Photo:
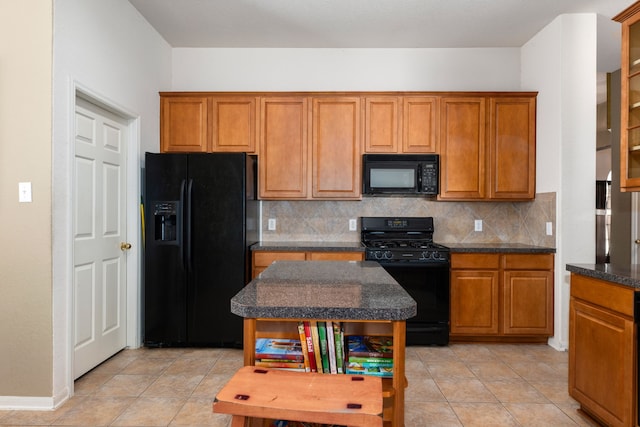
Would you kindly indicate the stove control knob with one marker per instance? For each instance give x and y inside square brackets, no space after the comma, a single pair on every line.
[426,255]
[377,254]
[388,255]
[435,255]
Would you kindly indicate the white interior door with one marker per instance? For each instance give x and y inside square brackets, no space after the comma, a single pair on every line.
[99,235]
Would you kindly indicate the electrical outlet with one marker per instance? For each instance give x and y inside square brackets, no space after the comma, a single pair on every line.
[478,225]
[549,229]
[353,224]
[271,224]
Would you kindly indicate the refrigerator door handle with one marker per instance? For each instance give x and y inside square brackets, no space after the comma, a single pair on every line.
[190,204]
[181,223]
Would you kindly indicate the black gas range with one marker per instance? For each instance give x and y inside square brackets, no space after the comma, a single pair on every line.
[404,247]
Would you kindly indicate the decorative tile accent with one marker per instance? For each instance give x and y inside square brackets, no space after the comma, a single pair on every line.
[328,221]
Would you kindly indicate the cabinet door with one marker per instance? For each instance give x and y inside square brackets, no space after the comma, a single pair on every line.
[336,156]
[527,302]
[381,124]
[601,362]
[462,148]
[474,302]
[630,99]
[184,124]
[233,124]
[420,124]
[283,165]
[512,148]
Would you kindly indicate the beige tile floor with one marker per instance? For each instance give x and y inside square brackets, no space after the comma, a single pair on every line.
[458,385]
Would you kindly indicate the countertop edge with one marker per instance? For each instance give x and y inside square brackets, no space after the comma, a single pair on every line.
[308,246]
[615,274]
[357,247]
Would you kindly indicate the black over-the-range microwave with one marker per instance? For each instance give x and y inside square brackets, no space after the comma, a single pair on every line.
[400,174]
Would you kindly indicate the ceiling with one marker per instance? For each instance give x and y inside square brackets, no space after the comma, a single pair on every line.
[360,23]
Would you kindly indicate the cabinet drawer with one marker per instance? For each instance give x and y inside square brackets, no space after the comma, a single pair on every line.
[336,256]
[266,258]
[528,262]
[605,294]
[475,261]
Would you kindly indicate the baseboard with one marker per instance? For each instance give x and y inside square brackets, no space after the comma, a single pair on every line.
[26,403]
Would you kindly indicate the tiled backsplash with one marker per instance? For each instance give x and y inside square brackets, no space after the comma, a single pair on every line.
[503,222]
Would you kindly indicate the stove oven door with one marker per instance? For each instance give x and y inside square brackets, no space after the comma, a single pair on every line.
[428,285]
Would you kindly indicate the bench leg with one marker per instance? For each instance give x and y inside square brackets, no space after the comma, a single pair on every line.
[238,421]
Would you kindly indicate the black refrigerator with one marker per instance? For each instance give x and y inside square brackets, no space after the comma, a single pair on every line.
[201,216]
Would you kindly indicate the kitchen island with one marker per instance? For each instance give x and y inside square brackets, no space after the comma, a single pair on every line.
[603,359]
[360,294]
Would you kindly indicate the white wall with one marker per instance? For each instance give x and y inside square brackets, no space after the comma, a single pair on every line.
[345,69]
[560,62]
[109,50]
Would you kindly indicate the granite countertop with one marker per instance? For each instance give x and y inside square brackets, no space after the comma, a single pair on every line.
[628,275]
[347,290]
[309,246]
[497,248]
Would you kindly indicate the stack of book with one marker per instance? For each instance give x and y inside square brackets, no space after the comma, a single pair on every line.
[322,346]
[280,353]
[370,355]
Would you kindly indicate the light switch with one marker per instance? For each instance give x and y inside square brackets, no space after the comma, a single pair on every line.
[24,192]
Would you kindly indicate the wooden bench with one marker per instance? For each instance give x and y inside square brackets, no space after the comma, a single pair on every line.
[349,400]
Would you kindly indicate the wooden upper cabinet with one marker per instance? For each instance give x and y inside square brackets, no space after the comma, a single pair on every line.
[462,148]
[381,124]
[630,98]
[420,124]
[234,124]
[336,158]
[283,164]
[488,147]
[395,124]
[512,148]
[184,124]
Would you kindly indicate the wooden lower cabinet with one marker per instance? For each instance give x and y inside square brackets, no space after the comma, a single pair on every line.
[262,259]
[602,350]
[501,297]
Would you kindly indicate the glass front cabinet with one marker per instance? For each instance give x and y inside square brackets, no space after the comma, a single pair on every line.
[630,111]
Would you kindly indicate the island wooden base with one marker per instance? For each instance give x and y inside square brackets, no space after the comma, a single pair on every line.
[393,388]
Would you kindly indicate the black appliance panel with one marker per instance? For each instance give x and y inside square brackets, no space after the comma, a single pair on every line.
[400,174]
[428,285]
[189,280]
[165,292]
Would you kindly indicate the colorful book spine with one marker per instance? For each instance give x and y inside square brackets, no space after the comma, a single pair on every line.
[384,360]
[331,348]
[324,350]
[377,372]
[303,342]
[281,364]
[338,338]
[316,344]
[310,347]
[279,348]
[355,365]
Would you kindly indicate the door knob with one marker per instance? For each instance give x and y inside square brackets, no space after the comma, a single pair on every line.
[124,246]
[637,241]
